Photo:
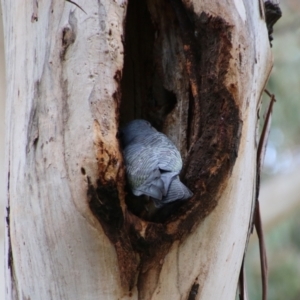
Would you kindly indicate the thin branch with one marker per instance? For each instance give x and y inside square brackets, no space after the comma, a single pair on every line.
[257,216]
[77,5]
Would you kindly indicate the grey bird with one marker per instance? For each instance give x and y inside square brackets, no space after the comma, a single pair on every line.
[153,164]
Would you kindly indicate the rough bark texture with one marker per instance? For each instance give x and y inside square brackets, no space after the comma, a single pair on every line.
[196,70]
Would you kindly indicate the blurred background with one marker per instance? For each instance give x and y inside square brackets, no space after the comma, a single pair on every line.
[280,186]
[280,189]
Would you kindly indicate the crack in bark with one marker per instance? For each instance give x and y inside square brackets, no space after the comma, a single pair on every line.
[194,291]
[68,35]
[105,204]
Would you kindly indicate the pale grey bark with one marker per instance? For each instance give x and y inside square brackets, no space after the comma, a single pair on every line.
[61,109]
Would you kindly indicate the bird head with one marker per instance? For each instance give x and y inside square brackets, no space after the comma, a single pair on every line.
[134,129]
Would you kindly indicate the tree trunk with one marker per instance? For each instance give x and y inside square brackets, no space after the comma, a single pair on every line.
[196,70]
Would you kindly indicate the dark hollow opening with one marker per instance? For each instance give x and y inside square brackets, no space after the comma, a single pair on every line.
[143,93]
[175,64]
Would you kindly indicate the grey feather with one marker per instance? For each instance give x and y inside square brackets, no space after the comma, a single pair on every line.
[153,163]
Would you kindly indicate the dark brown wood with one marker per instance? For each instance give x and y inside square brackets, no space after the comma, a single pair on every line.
[201,46]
